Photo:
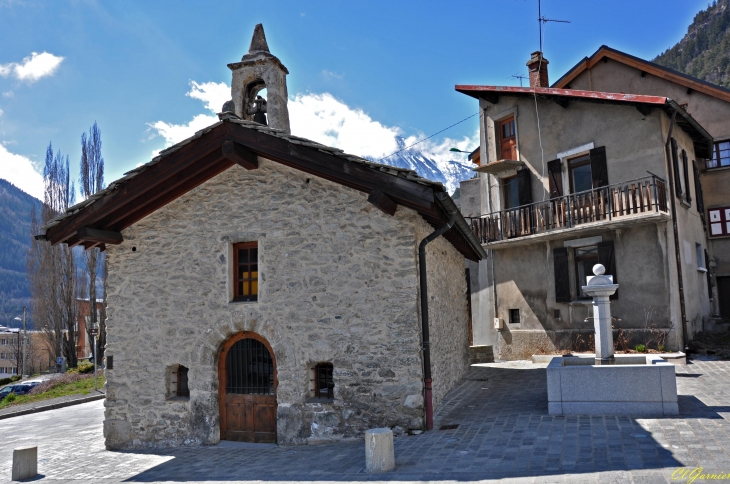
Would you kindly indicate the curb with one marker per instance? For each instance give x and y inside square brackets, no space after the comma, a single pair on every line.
[53,406]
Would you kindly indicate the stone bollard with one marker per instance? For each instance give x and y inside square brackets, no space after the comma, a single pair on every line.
[25,463]
[379,453]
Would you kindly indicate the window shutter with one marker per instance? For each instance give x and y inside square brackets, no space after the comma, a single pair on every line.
[698,191]
[675,170]
[685,167]
[599,169]
[524,186]
[555,177]
[607,258]
[562,277]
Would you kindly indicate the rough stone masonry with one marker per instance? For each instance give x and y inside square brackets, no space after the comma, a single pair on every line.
[338,283]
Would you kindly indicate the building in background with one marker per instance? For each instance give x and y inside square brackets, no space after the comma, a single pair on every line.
[569,179]
[615,71]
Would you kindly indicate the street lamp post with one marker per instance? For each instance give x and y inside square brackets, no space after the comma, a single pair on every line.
[25,338]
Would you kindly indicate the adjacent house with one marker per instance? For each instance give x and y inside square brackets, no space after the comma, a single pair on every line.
[570,178]
[615,71]
[263,287]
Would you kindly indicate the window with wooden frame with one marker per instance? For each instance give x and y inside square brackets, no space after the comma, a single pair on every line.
[514,316]
[580,175]
[246,271]
[720,155]
[324,386]
[585,259]
[508,139]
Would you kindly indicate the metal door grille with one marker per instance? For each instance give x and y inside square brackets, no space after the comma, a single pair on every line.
[250,369]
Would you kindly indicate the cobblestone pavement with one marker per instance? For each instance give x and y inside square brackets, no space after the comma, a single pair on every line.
[504,432]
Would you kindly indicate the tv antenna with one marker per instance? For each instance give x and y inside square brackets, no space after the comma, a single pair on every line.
[518,76]
[543,20]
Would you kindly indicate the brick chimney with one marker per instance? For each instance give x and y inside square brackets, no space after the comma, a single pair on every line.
[538,70]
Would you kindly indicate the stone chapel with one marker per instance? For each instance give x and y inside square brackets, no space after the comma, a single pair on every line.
[266,288]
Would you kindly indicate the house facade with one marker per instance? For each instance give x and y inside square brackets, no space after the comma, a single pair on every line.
[263,287]
[569,179]
[611,70]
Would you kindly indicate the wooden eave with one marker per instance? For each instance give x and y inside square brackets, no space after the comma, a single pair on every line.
[191,163]
[605,52]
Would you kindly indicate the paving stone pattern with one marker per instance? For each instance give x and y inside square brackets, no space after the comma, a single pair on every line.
[504,432]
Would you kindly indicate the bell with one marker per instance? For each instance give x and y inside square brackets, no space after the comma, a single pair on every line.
[259,111]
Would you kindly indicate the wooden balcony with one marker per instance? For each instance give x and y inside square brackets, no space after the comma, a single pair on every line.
[643,200]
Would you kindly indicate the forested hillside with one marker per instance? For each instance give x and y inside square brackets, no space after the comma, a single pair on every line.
[704,52]
[15,208]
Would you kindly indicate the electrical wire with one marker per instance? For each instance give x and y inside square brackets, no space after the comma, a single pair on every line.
[427,137]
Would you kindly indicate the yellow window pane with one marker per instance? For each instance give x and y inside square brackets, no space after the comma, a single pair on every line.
[254,288]
[246,289]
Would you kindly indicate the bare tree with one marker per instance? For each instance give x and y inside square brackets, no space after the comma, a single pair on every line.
[91,180]
[52,269]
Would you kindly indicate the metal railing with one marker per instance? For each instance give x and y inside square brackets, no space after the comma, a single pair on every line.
[607,203]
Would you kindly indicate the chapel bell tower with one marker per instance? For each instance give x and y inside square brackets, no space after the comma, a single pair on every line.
[259,70]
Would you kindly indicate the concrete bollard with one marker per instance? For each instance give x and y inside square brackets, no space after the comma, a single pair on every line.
[379,453]
[25,463]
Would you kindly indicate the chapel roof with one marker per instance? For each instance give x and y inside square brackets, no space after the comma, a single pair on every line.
[210,151]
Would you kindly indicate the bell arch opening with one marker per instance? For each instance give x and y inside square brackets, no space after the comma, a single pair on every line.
[254,102]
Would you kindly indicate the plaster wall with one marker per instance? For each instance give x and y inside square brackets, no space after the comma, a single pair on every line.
[521,274]
[712,113]
[338,283]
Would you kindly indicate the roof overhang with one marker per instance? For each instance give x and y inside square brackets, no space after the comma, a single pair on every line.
[604,53]
[100,219]
[701,138]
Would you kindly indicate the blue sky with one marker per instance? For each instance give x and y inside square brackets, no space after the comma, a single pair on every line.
[377,69]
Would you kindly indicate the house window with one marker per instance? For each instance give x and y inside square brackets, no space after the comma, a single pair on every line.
[685,168]
[324,385]
[246,271]
[508,139]
[700,254]
[511,190]
[514,316]
[585,259]
[182,382]
[3,342]
[2,356]
[719,221]
[581,178]
[720,155]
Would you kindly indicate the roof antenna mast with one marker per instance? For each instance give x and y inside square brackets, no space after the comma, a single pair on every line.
[543,20]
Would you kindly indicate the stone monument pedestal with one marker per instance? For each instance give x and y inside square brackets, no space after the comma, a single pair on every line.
[379,452]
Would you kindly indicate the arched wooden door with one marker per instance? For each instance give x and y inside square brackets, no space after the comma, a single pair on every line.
[247,389]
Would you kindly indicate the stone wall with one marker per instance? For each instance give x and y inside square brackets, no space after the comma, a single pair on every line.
[448,313]
[338,283]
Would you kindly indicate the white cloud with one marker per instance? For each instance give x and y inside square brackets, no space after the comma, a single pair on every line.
[8,94]
[33,67]
[213,94]
[329,75]
[1,112]
[174,133]
[325,119]
[19,171]
[322,118]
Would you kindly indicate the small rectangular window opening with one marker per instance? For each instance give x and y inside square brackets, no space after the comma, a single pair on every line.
[720,155]
[514,316]
[324,385]
[245,271]
[182,382]
[585,259]
[700,257]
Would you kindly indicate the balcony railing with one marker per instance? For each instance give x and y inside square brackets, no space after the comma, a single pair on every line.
[622,200]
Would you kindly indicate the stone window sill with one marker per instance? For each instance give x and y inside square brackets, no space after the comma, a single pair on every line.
[175,398]
[320,400]
[701,269]
[243,302]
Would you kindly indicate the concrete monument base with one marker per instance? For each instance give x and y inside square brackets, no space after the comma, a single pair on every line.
[643,385]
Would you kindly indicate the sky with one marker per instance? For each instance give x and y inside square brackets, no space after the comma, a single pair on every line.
[362,73]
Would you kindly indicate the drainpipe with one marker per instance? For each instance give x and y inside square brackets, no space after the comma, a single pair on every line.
[677,253]
[423,276]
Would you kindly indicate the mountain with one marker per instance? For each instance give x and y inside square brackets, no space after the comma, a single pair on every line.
[448,172]
[15,208]
[704,52]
